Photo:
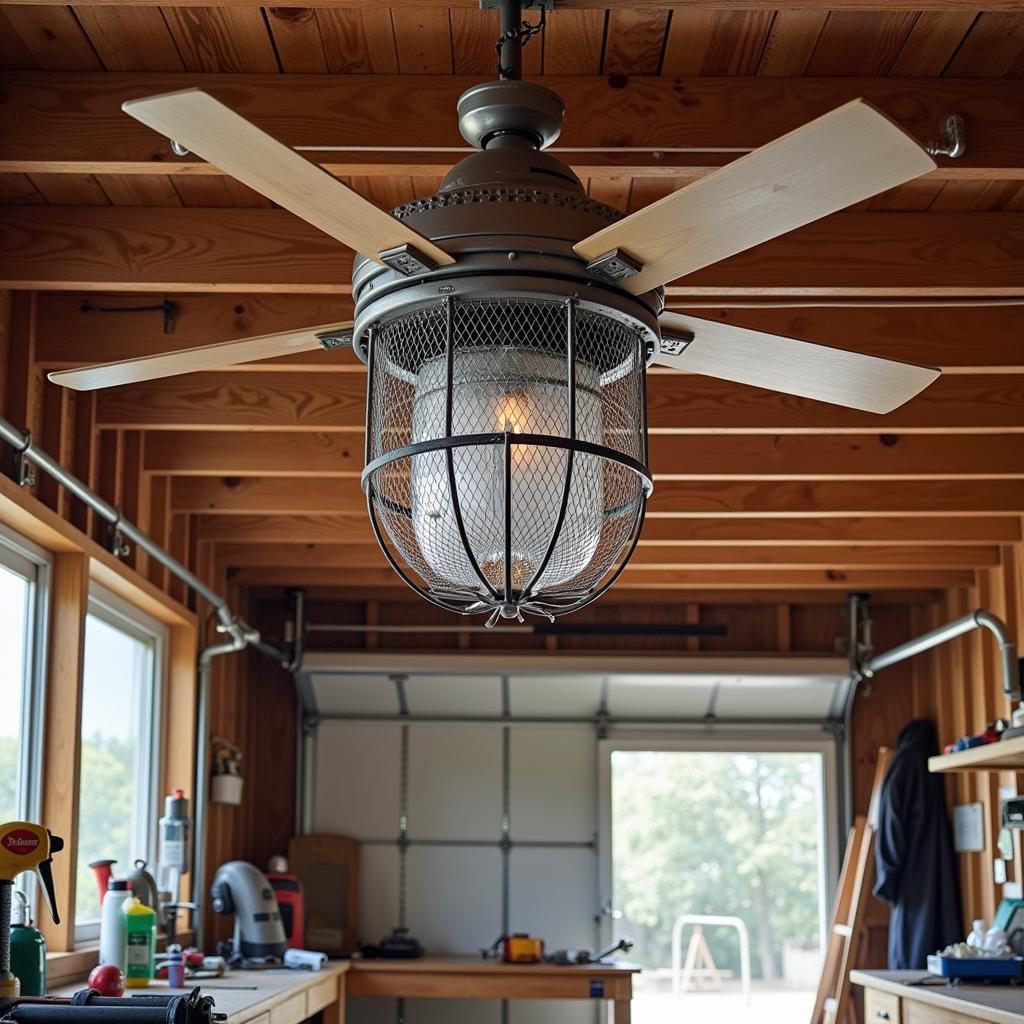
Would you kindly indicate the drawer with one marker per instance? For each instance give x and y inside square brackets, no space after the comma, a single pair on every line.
[881,1007]
[322,994]
[291,1011]
[915,1012]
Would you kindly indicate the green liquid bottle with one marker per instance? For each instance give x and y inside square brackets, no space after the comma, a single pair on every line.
[140,943]
[28,951]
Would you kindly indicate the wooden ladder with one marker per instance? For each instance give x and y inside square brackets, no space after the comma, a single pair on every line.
[846,932]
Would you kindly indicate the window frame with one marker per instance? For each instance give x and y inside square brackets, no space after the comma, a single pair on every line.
[31,563]
[121,615]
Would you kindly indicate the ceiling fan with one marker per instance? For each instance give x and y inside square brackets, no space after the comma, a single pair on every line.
[508,320]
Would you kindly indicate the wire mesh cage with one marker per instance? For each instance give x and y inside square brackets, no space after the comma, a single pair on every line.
[506,452]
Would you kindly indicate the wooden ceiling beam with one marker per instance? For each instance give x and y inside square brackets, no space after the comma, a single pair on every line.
[677,404]
[672,500]
[934,336]
[72,122]
[51,248]
[650,558]
[654,5]
[366,581]
[701,456]
[917,530]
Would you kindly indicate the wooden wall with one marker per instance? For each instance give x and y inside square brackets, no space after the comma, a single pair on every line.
[253,702]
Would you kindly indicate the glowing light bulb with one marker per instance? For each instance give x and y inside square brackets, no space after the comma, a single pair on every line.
[506,390]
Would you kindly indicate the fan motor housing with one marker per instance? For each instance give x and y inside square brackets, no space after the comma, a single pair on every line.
[510,217]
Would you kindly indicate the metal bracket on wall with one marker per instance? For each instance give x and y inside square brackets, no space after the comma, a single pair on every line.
[117,545]
[954,136]
[168,308]
[24,470]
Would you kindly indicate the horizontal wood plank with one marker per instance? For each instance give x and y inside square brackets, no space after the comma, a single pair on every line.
[207,250]
[919,530]
[677,404]
[754,5]
[929,336]
[673,499]
[73,121]
[651,557]
[366,581]
[704,456]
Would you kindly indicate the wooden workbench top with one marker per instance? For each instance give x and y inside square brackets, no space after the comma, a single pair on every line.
[995,1004]
[478,965]
[259,997]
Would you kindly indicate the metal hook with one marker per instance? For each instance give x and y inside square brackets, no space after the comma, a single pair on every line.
[954,133]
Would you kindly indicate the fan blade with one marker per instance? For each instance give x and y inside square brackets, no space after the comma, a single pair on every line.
[206,357]
[793,367]
[847,156]
[209,129]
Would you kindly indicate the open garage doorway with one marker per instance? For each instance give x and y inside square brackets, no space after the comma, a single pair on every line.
[720,856]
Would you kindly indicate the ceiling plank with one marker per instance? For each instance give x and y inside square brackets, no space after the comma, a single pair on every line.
[652,557]
[848,254]
[759,5]
[74,123]
[703,457]
[222,39]
[672,500]
[717,42]
[678,404]
[927,336]
[365,581]
[919,530]
[54,37]
[130,38]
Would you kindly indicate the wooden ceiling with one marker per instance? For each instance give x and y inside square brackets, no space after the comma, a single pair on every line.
[258,467]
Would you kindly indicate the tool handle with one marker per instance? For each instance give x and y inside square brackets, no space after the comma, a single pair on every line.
[43,870]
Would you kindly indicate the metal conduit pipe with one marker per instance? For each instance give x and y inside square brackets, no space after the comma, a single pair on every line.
[240,634]
[979,619]
[21,442]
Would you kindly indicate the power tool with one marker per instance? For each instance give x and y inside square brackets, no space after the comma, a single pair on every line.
[24,846]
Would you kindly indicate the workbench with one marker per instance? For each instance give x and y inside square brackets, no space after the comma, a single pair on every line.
[889,999]
[454,977]
[290,997]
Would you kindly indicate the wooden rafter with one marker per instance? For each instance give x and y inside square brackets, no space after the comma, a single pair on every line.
[637,126]
[932,336]
[673,499]
[678,404]
[158,249]
[703,456]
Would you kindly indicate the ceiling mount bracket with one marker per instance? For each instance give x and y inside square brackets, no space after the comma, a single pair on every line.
[335,339]
[407,260]
[178,149]
[675,344]
[954,135]
[614,266]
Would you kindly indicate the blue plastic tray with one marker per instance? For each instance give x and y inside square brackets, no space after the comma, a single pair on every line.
[978,970]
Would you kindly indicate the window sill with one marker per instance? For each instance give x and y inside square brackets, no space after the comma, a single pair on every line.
[65,968]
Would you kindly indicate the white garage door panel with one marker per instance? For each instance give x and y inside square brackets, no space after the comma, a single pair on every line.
[554,783]
[658,696]
[453,1011]
[357,779]
[454,695]
[454,897]
[738,700]
[352,694]
[556,695]
[554,895]
[551,1011]
[454,782]
[378,892]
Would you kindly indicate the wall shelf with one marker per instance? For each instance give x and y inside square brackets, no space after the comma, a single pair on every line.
[1004,756]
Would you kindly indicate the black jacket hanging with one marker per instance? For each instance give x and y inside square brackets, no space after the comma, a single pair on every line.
[916,865]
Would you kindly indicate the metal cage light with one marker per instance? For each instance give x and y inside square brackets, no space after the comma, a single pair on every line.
[506,451]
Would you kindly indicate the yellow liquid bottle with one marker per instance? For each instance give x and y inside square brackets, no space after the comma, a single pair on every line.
[140,943]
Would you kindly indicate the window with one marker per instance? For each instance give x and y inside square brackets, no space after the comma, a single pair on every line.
[121,695]
[23,576]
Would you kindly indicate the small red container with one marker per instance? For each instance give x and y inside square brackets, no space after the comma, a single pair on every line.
[288,893]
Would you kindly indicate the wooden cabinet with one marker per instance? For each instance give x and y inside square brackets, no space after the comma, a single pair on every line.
[881,1007]
[923,1013]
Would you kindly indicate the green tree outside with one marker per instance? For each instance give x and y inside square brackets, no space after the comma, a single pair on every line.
[717,833]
